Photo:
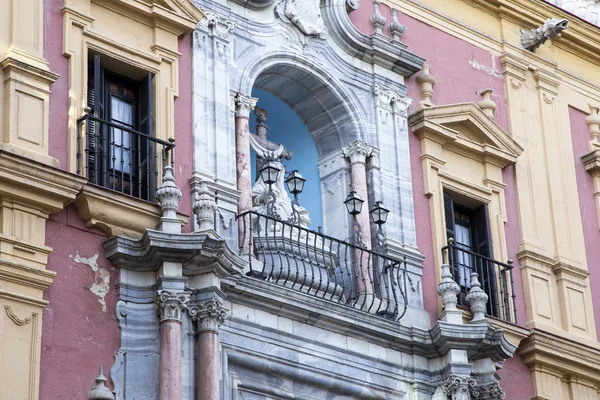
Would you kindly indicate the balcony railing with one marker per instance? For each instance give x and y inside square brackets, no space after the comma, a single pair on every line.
[322,266]
[496,279]
[120,158]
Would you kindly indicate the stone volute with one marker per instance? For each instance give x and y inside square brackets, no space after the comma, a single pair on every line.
[477,299]
[486,104]
[100,391]
[426,82]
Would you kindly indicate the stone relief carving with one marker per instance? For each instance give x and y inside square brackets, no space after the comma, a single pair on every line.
[306,16]
[459,387]
[534,38]
[216,26]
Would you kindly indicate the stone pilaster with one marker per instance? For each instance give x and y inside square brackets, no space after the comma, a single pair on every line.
[209,315]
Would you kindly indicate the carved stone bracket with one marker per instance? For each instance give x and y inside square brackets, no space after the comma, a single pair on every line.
[459,387]
[171,305]
[217,26]
[209,315]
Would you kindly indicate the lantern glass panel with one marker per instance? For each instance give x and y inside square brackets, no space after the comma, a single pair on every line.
[379,213]
[353,203]
[270,172]
[295,183]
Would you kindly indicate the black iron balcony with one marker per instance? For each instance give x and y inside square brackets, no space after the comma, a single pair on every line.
[496,279]
[322,266]
[120,158]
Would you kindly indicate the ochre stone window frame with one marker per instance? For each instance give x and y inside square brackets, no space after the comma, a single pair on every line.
[141,35]
[463,151]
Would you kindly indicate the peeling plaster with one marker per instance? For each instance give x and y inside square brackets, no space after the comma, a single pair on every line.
[488,70]
[101,284]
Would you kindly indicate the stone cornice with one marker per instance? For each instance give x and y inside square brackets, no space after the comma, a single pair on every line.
[200,253]
[542,349]
[440,123]
[375,49]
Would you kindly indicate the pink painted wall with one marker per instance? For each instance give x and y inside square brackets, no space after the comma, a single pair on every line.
[461,71]
[589,217]
[77,335]
[184,129]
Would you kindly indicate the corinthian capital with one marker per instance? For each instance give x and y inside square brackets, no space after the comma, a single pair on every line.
[492,391]
[357,151]
[171,305]
[210,315]
[459,387]
[243,104]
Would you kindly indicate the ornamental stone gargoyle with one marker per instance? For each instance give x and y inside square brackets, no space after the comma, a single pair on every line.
[534,38]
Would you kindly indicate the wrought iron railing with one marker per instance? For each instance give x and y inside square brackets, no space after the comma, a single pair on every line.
[496,279]
[322,266]
[120,158]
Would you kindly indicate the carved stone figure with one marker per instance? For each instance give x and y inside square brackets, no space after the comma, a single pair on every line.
[534,38]
[306,15]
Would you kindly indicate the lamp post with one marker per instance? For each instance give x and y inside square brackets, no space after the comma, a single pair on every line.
[295,183]
[379,216]
[354,205]
[269,173]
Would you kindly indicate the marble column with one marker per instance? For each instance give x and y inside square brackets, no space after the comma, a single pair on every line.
[170,307]
[357,152]
[243,106]
[209,315]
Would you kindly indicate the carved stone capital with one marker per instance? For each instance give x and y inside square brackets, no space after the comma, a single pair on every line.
[217,26]
[491,391]
[357,151]
[171,305]
[243,104]
[209,315]
[459,387]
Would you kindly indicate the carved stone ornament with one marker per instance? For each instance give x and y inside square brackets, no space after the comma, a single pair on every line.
[534,38]
[391,100]
[488,392]
[357,151]
[171,305]
[487,105]
[477,299]
[209,315]
[216,26]
[352,5]
[395,27]
[168,194]
[377,19]
[306,16]
[593,123]
[204,208]
[448,289]
[459,387]
[426,82]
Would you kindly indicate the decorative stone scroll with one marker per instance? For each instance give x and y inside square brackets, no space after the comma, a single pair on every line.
[216,26]
[459,387]
[492,391]
[171,305]
[209,315]
[243,105]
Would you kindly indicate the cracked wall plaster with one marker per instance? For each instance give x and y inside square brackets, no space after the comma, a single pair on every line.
[101,284]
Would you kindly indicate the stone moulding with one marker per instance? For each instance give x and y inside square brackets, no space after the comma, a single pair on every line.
[376,49]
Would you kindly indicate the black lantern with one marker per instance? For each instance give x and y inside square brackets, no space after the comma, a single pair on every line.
[379,213]
[270,172]
[295,182]
[353,203]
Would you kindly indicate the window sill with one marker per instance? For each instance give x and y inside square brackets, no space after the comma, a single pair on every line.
[116,213]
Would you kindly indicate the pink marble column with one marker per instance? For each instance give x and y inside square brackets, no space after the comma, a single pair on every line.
[243,106]
[358,152]
[170,307]
[209,315]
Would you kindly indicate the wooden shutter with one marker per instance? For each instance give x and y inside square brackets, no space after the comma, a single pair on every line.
[449,215]
[143,147]
[482,244]
[96,102]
